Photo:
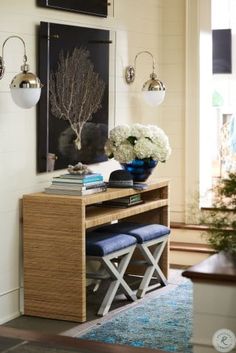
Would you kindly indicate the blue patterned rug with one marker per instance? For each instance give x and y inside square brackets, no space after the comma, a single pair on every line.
[164,322]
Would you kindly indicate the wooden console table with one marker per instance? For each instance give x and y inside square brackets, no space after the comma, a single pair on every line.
[54,230]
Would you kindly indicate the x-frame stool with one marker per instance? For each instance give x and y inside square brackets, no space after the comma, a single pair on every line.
[151,261]
[113,267]
[147,236]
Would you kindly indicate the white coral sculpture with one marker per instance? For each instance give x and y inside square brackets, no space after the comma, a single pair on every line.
[76,90]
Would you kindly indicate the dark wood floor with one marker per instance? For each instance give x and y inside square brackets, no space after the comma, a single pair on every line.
[39,335]
[25,341]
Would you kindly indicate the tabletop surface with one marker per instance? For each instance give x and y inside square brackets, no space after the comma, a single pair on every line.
[219,267]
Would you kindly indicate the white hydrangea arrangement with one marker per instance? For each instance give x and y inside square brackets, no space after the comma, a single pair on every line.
[129,142]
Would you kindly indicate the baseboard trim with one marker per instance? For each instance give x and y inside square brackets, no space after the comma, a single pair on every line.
[9,317]
[9,305]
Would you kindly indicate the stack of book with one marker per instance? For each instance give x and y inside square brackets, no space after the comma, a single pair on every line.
[74,184]
[126,201]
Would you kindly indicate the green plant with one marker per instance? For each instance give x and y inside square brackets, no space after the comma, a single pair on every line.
[221,220]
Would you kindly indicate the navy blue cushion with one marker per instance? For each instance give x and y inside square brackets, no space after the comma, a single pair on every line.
[142,232]
[98,244]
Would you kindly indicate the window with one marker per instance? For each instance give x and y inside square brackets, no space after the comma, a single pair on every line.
[218,156]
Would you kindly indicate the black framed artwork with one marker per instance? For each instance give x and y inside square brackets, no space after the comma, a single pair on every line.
[222,51]
[72,117]
[89,7]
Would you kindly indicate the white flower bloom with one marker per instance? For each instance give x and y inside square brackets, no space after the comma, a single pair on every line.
[157,133]
[149,142]
[119,134]
[139,130]
[161,154]
[125,153]
[143,148]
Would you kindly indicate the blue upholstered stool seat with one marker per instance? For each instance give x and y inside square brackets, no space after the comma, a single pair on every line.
[151,239]
[98,244]
[142,232]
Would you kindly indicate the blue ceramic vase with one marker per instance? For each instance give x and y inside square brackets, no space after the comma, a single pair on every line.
[140,169]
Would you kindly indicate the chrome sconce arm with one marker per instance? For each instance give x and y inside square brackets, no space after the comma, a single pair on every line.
[2,63]
[153,89]
[25,87]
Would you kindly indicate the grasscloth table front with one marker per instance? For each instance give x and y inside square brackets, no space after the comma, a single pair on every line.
[54,230]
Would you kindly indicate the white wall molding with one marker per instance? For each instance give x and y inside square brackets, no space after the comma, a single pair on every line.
[9,291]
[192,105]
[9,306]
[198,73]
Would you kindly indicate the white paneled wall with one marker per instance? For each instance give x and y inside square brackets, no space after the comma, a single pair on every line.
[172,117]
[154,25]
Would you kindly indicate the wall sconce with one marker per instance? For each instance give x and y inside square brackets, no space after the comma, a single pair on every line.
[153,90]
[25,87]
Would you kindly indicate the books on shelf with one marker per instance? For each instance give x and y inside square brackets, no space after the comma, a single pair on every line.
[78,179]
[78,186]
[126,201]
[80,176]
[75,192]
[115,204]
[73,184]
[129,199]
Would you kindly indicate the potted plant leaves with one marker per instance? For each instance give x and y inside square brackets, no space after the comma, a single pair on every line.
[221,219]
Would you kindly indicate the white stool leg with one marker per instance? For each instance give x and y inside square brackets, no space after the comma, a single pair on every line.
[117,273]
[152,260]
